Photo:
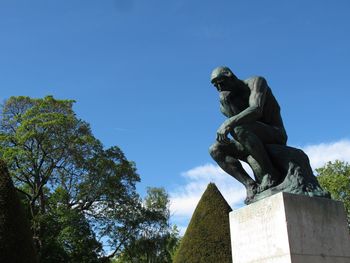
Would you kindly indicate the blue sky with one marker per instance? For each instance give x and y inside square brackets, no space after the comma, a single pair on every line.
[139,71]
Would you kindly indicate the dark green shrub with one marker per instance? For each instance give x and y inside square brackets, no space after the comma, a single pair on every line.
[16,244]
[207,238]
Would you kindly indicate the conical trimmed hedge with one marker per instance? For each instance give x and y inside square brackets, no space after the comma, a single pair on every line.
[207,238]
[16,244]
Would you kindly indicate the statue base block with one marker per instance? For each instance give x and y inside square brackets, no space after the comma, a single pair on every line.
[289,228]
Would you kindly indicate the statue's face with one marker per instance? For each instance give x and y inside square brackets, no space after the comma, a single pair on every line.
[224,84]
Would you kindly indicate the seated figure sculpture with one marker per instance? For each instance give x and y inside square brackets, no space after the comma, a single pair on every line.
[259,138]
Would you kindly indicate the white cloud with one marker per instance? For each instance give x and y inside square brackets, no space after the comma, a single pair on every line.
[185,198]
[320,154]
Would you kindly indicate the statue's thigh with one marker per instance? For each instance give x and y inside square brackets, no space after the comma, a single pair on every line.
[266,133]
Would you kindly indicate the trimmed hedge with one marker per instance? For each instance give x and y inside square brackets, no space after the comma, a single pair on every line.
[207,238]
[16,243]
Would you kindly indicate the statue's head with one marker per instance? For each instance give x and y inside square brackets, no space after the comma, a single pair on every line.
[223,78]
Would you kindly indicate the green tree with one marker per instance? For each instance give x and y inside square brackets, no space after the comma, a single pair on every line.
[72,187]
[68,235]
[155,241]
[335,178]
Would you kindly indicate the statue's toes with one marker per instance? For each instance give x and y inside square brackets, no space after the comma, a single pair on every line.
[267,182]
[262,188]
[248,200]
[251,192]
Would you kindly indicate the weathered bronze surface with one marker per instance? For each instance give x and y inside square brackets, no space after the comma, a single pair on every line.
[259,138]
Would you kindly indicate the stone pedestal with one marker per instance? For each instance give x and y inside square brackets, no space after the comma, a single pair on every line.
[288,228]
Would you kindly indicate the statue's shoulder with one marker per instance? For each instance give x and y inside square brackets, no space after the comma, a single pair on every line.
[252,80]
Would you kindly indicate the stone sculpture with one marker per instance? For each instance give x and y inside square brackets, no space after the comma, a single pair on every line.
[258,138]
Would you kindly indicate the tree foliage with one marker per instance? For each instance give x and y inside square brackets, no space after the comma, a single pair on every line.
[155,241]
[80,198]
[72,188]
[335,178]
[14,226]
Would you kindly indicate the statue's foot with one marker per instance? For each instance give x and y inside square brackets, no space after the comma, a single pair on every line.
[251,192]
[266,183]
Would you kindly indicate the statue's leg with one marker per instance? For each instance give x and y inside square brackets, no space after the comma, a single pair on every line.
[226,156]
[253,137]
[257,170]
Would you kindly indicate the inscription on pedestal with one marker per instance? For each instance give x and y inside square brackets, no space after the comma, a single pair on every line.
[259,232]
[288,228]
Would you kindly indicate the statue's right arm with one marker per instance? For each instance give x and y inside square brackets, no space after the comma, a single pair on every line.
[256,103]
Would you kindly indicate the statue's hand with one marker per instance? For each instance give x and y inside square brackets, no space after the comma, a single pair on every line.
[222,132]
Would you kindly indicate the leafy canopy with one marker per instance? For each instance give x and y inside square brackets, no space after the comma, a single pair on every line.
[75,191]
[155,240]
[335,178]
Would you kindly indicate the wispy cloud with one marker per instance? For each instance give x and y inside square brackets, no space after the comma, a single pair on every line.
[322,153]
[184,198]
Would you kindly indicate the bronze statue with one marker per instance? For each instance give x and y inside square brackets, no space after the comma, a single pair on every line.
[258,138]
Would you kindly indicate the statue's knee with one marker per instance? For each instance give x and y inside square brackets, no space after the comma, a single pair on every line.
[215,152]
